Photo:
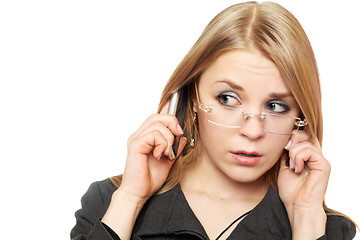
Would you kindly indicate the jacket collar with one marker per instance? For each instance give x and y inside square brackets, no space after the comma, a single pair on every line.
[170,213]
[268,219]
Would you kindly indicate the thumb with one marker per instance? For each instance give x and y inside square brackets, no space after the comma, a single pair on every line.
[182,145]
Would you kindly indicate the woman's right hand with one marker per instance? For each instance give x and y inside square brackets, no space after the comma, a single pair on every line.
[147,167]
[148,164]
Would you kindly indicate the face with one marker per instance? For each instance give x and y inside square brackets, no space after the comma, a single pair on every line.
[251,82]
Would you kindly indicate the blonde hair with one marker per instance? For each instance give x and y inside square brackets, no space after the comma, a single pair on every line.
[265,27]
[268,28]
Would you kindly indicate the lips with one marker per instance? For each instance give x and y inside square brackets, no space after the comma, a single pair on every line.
[247,158]
[248,154]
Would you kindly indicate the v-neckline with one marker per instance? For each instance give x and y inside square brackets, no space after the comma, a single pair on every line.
[244,216]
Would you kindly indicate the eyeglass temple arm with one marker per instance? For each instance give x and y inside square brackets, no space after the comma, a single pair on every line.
[201,106]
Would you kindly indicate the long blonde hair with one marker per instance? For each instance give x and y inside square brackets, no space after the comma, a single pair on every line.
[266,27]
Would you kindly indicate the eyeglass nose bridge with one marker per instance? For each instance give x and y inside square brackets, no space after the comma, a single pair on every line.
[261,116]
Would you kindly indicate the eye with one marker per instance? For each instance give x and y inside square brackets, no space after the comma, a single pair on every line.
[277,107]
[229,99]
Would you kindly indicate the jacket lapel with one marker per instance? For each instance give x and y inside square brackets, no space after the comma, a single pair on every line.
[268,220]
[168,213]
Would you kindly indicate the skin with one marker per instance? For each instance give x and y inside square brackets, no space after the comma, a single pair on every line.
[218,175]
[248,71]
[218,188]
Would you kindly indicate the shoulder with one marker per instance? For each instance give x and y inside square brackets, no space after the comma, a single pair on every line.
[102,190]
[99,192]
[98,196]
[94,204]
[339,227]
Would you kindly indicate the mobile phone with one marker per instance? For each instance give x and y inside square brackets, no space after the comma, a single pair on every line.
[177,107]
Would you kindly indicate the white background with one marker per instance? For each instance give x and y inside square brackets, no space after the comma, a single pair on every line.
[78,77]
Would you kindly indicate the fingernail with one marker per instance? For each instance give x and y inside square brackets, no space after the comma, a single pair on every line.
[296,168]
[180,129]
[291,163]
[159,157]
[172,154]
[288,145]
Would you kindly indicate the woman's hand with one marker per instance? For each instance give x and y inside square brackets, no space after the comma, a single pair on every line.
[147,167]
[148,164]
[302,185]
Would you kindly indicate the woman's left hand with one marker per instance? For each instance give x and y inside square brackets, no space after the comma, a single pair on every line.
[302,184]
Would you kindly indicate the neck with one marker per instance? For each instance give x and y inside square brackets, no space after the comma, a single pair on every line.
[205,178]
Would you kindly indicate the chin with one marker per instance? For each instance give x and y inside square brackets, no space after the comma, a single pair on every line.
[246,176]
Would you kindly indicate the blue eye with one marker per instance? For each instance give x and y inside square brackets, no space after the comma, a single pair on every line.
[229,99]
[277,107]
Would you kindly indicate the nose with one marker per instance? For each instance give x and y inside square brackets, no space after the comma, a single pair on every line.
[252,127]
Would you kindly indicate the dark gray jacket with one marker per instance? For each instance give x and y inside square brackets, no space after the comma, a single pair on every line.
[168,216]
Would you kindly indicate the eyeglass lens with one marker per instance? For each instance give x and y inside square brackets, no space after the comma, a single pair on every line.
[237,118]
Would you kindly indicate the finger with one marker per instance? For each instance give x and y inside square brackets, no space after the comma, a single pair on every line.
[300,146]
[160,147]
[182,144]
[296,137]
[297,162]
[316,142]
[165,132]
[169,121]
[299,159]
[299,136]
[153,141]
[165,109]
[308,156]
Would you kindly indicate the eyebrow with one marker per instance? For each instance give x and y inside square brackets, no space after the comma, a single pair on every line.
[241,89]
[280,95]
[232,85]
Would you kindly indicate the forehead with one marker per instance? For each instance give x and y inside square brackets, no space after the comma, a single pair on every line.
[249,69]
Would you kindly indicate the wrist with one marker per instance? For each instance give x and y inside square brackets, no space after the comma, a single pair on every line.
[123,195]
[122,213]
[307,223]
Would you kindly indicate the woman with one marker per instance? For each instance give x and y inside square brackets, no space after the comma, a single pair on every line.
[249,162]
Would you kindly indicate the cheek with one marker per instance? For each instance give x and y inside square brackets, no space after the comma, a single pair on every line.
[275,147]
[279,142]
[214,139]
[210,135]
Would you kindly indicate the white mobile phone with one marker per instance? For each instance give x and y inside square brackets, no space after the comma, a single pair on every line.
[173,103]
[173,106]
